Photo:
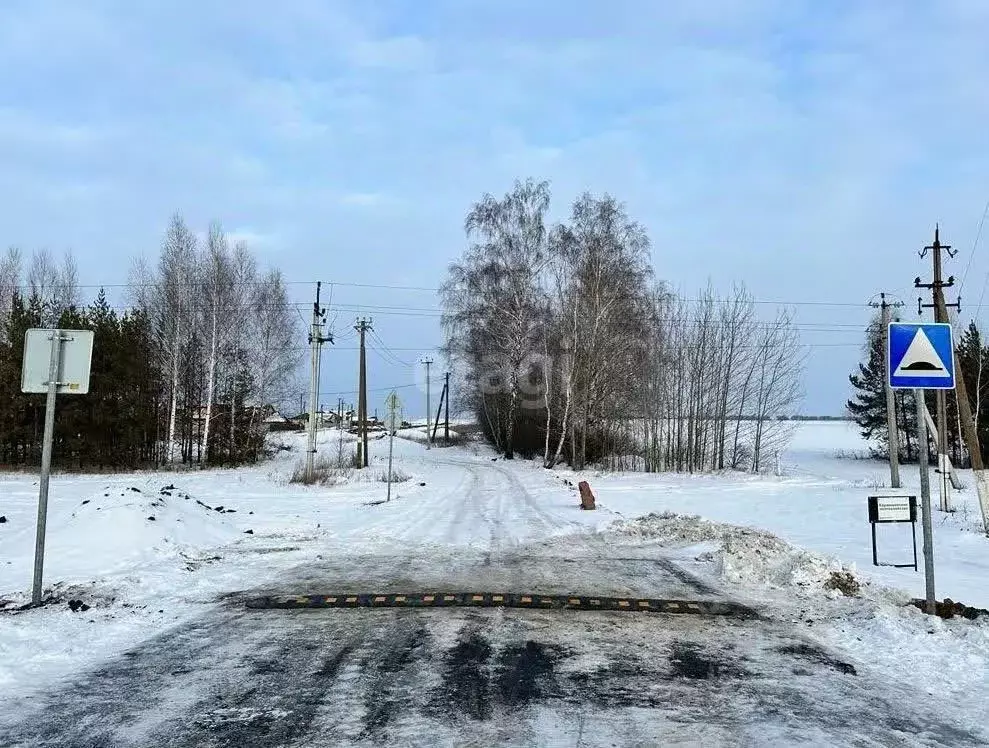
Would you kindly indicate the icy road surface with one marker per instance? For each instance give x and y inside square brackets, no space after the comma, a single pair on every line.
[477,677]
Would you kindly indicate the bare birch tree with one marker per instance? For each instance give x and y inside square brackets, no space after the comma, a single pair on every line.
[218,279]
[166,293]
[492,303]
[566,339]
[10,281]
[273,331]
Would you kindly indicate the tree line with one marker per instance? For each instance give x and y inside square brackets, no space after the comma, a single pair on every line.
[571,349]
[868,404]
[181,374]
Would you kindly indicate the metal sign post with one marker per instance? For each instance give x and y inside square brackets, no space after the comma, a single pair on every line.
[893,509]
[921,356]
[69,354]
[925,504]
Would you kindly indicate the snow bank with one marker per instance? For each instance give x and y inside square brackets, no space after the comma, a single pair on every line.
[875,625]
[742,555]
[114,529]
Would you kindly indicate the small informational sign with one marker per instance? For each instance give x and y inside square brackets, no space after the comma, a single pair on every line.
[893,510]
[75,356]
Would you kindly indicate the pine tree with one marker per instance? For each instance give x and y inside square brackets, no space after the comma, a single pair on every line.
[868,408]
[973,358]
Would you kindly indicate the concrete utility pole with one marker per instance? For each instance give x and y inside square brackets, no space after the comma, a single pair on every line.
[394,421]
[362,326]
[316,340]
[894,436]
[940,315]
[340,432]
[428,362]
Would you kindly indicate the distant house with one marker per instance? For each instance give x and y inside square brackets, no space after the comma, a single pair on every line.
[373,424]
[275,421]
[324,419]
[266,415]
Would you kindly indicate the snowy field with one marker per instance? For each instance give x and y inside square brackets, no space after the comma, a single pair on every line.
[148,551]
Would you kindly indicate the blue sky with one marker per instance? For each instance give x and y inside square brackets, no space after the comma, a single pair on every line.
[804,148]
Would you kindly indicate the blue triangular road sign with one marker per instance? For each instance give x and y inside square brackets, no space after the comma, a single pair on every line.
[921,356]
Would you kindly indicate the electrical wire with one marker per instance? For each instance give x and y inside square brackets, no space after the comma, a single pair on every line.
[975,244]
[377,338]
[359,307]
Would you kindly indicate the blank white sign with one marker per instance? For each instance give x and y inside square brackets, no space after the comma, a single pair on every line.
[74,361]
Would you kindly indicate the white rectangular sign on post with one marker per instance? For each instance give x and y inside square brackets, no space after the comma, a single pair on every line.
[893,509]
[75,358]
[55,362]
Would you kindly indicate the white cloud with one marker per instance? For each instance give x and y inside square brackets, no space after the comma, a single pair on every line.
[20,128]
[775,140]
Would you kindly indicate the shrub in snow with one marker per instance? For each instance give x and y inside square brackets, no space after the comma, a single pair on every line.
[327,471]
[397,476]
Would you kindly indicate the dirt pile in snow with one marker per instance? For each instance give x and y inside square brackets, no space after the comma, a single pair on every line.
[745,555]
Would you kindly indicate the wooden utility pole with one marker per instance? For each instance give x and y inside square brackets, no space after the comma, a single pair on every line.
[961,390]
[891,427]
[439,409]
[446,417]
[940,315]
[362,326]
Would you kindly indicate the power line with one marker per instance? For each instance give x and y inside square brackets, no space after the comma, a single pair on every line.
[374,389]
[810,326]
[388,350]
[975,244]
[390,361]
[360,307]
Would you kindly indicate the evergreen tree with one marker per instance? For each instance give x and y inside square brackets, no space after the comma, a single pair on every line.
[973,358]
[868,408]
[148,376]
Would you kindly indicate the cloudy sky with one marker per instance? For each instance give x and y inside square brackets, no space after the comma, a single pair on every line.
[804,148]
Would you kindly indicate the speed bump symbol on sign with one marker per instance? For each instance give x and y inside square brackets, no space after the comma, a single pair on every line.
[921,356]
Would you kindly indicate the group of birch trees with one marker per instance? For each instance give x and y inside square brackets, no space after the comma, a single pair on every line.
[227,343]
[183,373]
[571,349]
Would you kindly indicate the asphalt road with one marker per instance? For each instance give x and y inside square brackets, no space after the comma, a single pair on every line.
[239,677]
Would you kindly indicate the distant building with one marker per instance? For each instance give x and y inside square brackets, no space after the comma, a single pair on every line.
[324,419]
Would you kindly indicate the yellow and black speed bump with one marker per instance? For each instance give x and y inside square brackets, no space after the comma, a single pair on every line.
[503,600]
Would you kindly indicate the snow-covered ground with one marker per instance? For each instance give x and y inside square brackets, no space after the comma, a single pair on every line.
[820,503]
[219,531]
